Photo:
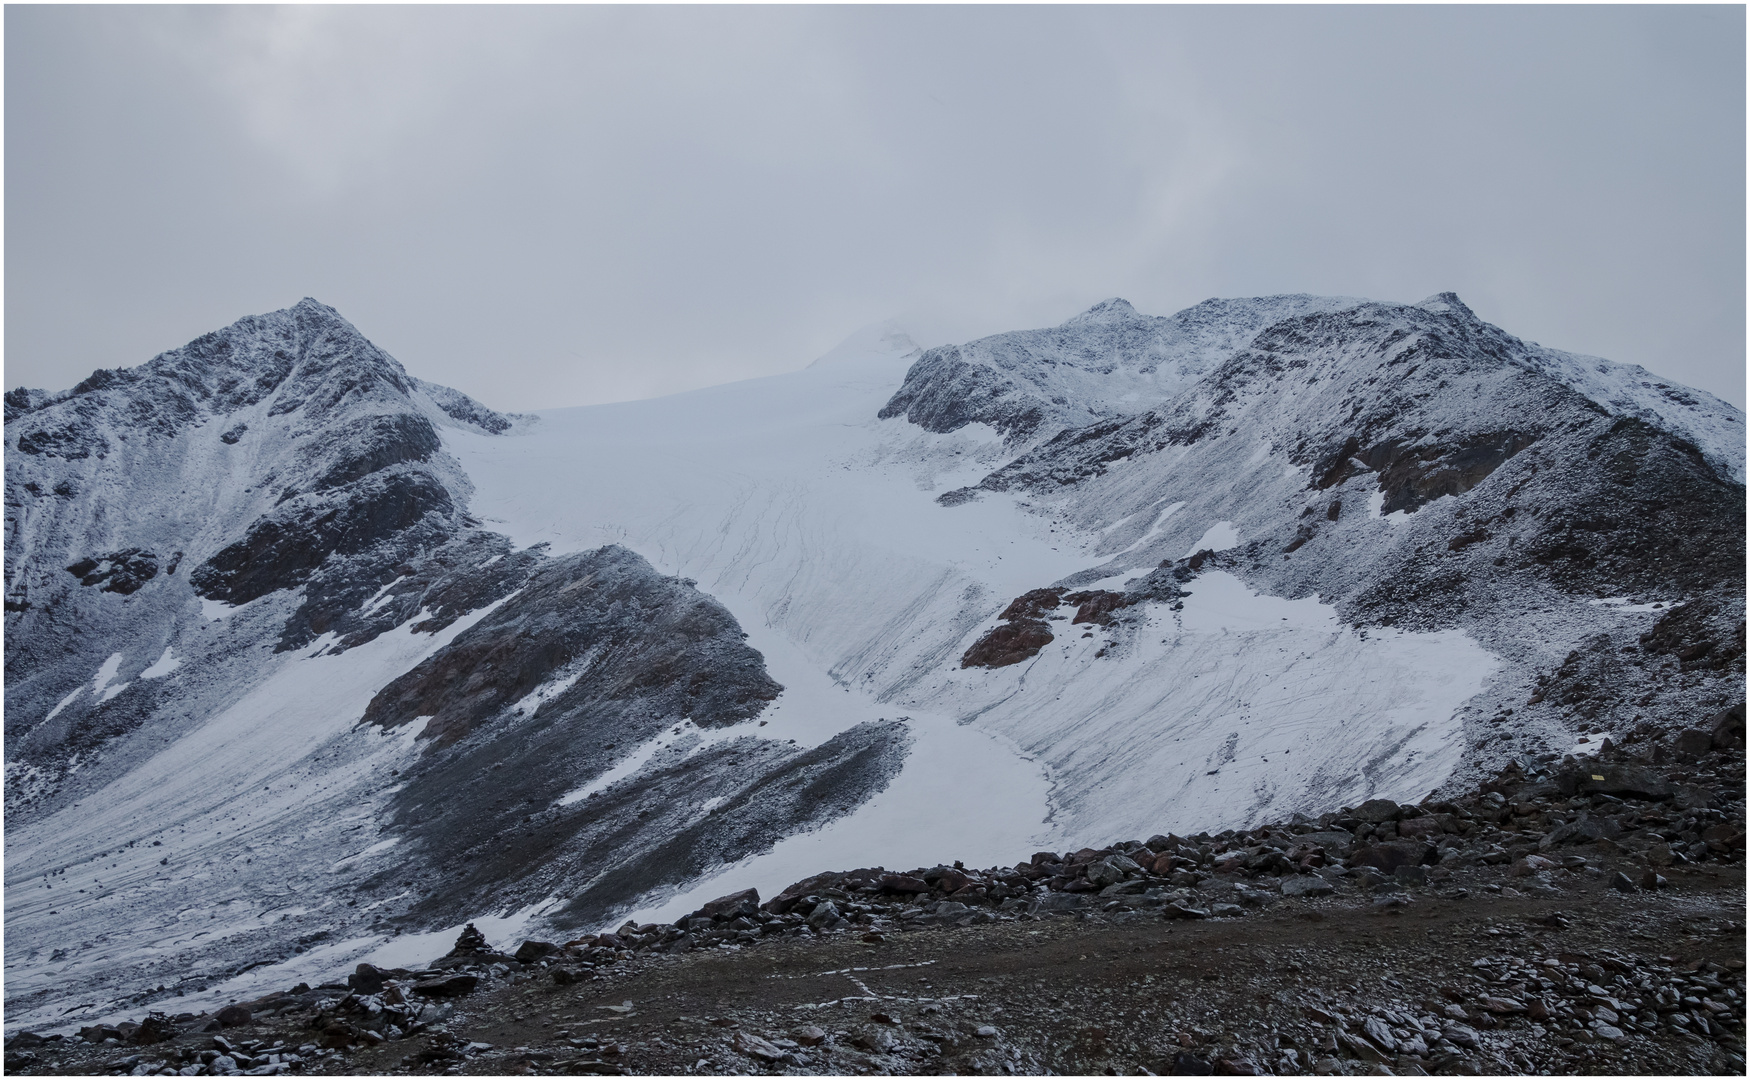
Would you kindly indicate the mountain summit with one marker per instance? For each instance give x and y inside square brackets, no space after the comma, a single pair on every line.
[1106,311]
[341,661]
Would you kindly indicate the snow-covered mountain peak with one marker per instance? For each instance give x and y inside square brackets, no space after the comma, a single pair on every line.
[257,458]
[1447,303]
[1108,361]
[885,340]
[1106,311]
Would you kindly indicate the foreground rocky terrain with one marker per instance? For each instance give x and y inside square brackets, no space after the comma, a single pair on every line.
[1579,915]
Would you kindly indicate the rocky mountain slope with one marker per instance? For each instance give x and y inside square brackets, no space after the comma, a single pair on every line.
[1417,468]
[307,653]
[312,663]
[1578,915]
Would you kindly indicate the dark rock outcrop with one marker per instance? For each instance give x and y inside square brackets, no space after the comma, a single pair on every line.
[118,571]
[282,549]
[605,616]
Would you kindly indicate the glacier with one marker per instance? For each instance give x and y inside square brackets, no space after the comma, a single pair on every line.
[1379,527]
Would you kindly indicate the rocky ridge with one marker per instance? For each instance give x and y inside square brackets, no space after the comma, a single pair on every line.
[1440,474]
[1108,361]
[284,456]
[224,532]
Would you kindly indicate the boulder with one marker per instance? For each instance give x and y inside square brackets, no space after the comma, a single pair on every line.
[1104,872]
[1061,902]
[1428,827]
[735,905]
[784,901]
[1306,885]
[1532,864]
[530,952]
[903,883]
[233,1016]
[1619,779]
[1124,888]
[1693,742]
[1331,841]
[1727,728]
[1377,811]
[1723,837]
[1583,829]
[1379,1034]
[448,986]
[367,979]
[1387,857]
[824,915]
[755,1047]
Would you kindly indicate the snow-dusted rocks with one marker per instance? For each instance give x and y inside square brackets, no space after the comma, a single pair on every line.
[310,662]
[218,560]
[283,451]
[1107,361]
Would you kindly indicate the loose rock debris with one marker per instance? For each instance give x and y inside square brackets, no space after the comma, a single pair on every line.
[1580,916]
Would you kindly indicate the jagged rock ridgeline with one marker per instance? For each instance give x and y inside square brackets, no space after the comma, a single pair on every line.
[1109,360]
[282,448]
[284,459]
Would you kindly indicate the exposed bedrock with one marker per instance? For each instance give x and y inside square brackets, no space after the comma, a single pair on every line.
[282,549]
[590,629]
[493,833]
[593,657]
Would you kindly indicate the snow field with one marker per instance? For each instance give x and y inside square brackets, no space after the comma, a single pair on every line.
[816,527]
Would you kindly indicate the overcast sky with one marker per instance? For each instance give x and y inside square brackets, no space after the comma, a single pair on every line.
[552,206]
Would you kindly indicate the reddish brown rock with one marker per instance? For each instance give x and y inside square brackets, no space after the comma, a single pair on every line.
[1033,605]
[1096,606]
[1008,643]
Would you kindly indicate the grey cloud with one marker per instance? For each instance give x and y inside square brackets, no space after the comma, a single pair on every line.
[549,205]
